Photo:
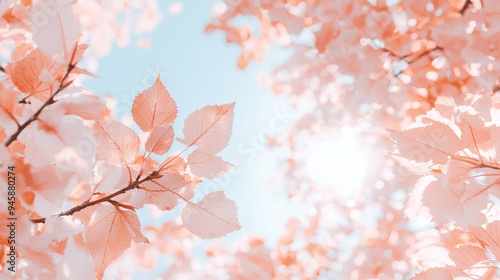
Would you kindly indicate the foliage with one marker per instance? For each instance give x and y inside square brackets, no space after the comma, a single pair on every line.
[80,175]
[414,83]
[416,78]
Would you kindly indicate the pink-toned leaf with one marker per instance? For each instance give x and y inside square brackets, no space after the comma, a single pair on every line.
[116,143]
[160,140]
[490,235]
[59,139]
[54,26]
[444,205]
[8,104]
[213,217]
[174,164]
[474,132]
[434,273]
[110,233]
[165,192]
[433,256]
[209,128]
[109,177]
[36,74]
[154,107]
[466,256]
[434,142]
[85,106]
[207,165]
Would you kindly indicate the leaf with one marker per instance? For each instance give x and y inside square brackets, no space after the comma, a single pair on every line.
[8,104]
[87,107]
[444,205]
[116,143]
[174,164]
[434,273]
[54,26]
[154,107]
[434,142]
[61,140]
[433,256]
[490,235]
[466,256]
[207,165]
[109,177]
[110,233]
[474,132]
[209,128]
[165,192]
[213,217]
[36,74]
[160,140]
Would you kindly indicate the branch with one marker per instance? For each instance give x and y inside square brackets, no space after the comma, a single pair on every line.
[108,198]
[51,100]
[396,75]
[467,4]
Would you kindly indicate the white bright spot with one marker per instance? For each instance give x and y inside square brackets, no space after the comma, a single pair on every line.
[175,8]
[340,163]
[219,9]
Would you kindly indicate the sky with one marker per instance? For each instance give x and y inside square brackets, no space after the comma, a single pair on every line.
[200,69]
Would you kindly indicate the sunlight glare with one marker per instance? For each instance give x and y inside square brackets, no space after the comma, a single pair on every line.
[340,163]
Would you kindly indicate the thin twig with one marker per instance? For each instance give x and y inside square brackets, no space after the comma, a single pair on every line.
[62,85]
[108,198]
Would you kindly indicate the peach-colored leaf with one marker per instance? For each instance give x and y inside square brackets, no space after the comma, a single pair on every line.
[444,205]
[165,192]
[490,235]
[54,26]
[209,128]
[433,256]
[160,140]
[434,142]
[467,256]
[154,107]
[109,177]
[207,165]
[174,164]
[8,102]
[434,273]
[213,217]
[116,143]
[58,139]
[36,74]
[85,106]
[110,233]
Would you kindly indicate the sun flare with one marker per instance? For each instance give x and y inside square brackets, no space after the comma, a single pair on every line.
[341,163]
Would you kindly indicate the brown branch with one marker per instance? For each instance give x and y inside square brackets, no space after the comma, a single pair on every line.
[108,198]
[424,54]
[396,75]
[467,4]
[62,85]
[393,54]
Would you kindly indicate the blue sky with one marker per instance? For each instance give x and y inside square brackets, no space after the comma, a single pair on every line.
[200,69]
